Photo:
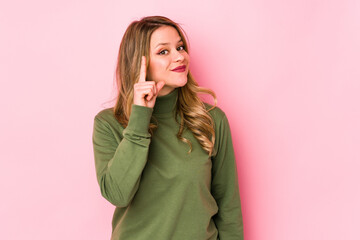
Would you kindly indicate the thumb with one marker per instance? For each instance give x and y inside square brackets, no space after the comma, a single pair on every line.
[159,86]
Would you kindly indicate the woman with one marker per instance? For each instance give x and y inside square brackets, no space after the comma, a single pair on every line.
[163,157]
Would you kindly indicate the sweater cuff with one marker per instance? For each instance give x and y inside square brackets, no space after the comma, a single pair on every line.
[139,119]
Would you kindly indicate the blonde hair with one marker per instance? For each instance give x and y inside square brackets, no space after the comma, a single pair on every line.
[192,111]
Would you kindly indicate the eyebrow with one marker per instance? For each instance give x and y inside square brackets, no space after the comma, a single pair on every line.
[166,43]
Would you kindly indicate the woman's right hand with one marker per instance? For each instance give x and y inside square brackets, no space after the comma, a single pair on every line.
[145,92]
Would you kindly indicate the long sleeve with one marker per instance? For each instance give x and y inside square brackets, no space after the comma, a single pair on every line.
[119,162]
[225,187]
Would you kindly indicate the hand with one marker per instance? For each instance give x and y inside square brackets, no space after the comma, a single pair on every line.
[145,92]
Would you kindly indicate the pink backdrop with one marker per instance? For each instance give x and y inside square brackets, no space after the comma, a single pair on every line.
[285,72]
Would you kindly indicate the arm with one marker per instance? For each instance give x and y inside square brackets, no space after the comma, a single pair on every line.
[225,187]
[119,165]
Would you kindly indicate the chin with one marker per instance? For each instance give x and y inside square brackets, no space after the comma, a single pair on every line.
[182,82]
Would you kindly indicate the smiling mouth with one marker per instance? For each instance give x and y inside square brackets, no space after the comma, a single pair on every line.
[179,69]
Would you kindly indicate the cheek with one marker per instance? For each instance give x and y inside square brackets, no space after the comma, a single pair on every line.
[157,69]
[157,66]
[153,67]
[187,57]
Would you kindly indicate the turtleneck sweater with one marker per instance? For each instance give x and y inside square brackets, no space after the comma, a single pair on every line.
[161,191]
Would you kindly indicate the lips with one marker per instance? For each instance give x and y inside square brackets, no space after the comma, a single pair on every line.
[179,69]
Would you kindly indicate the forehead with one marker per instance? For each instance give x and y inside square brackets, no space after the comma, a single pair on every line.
[166,35]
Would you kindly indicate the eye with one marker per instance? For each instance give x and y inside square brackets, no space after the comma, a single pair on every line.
[181,48]
[163,52]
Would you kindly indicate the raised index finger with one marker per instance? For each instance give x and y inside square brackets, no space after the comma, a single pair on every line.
[142,77]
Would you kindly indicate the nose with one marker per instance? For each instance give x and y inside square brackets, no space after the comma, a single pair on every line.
[178,57]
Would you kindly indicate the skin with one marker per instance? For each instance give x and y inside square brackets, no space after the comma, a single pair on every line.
[166,53]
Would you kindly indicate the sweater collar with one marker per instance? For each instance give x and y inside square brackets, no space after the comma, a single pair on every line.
[166,104]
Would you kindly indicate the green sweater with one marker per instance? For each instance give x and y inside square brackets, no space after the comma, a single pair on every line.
[160,191]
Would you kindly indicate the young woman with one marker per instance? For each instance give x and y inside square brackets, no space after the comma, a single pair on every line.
[163,157]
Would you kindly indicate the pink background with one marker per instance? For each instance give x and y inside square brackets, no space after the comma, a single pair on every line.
[285,72]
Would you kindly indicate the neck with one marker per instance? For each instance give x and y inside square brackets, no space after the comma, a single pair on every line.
[165,90]
[166,104]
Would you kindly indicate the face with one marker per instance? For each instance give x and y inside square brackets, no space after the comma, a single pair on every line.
[169,62]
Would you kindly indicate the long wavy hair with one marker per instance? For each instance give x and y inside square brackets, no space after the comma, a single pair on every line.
[191,110]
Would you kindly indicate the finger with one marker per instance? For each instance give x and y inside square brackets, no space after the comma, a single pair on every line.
[144,90]
[148,94]
[142,77]
[159,86]
[152,93]
[140,88]
[146,85]
[149,97]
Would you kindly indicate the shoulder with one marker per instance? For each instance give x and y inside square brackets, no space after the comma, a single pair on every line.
[105,123]
[222,128]
[220,119]
[105,114]
[107,117]
[216,112]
